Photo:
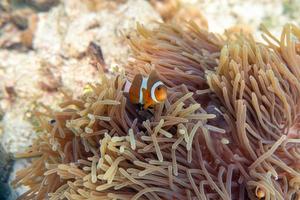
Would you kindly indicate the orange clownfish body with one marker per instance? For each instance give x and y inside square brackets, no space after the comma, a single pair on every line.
[147,91]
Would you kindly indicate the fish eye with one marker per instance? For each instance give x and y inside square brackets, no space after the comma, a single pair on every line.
[52,121]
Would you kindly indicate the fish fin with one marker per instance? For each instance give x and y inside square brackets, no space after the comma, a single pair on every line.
[147,105]
[153,78]
[140,107]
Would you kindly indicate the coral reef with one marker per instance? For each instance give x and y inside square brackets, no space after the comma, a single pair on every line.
[228,130]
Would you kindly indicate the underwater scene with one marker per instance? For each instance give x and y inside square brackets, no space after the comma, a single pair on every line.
[149,100]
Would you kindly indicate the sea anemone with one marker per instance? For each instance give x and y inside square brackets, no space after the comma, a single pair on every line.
[257,87]
[180,54]
[98,148]
[232,144]
[252,75]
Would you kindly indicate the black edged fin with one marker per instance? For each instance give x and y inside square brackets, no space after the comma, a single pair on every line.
[153,78]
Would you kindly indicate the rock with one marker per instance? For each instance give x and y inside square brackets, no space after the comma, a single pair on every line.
[20,84]
[75,8]
[81,32]
[7,192]
[6,162]
[50,31]
[75,74]
[68,30]
[28,35]
[20,17]
[42,5]
[108,28]
[18,165]
[17,132]
[166,8]
[17,29]
[190,13]
[5,165]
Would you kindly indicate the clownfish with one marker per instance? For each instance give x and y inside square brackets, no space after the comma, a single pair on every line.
[147,91]
[260,193]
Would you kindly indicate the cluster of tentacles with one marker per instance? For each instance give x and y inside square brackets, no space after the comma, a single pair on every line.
[228,130]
